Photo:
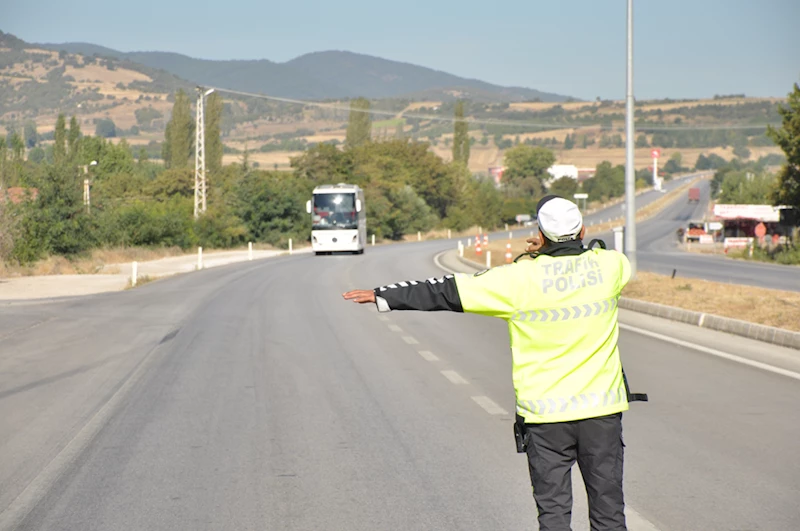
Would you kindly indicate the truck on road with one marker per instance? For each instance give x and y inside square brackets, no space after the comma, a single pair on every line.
[694,195]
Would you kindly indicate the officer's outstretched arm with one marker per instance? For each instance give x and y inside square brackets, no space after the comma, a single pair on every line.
[432,295]
[484,294]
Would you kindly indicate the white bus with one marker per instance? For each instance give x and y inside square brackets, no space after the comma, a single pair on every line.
[338,218]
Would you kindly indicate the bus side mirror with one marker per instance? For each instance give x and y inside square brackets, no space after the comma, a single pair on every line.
[358,205]
[308,207]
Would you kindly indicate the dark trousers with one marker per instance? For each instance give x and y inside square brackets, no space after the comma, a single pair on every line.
[596,444]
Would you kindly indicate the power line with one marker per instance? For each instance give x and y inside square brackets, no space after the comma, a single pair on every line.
[378,112]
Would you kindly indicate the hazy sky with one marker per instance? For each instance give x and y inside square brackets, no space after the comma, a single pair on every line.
[682,48]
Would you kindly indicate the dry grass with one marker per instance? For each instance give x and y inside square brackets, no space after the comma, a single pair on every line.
[93,73]
[780,309]
[93,264]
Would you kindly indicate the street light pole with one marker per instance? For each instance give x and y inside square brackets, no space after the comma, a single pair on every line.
[630,171]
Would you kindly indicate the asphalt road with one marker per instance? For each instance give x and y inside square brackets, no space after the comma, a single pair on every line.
[252,396]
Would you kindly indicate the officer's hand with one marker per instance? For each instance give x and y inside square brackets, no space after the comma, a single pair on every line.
[534,244]
[361,296]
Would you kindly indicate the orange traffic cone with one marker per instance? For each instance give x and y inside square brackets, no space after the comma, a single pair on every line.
[485,239]
[509,258]
[478,250]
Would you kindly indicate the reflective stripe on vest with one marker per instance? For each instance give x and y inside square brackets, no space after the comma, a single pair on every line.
[550,406]
[567,313]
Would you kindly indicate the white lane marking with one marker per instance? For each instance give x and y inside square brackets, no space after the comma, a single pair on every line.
[454,377]
[410,340]
[713,352]
[383,317]
[395,328]
[489,405]
[428,355]
[637,522]
[438,263]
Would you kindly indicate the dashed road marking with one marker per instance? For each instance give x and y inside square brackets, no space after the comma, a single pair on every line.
[454,377]
[383,317]
[428,355]
[489,405]
[410,340]
[395,328]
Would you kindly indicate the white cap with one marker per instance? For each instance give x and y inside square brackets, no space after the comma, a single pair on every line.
[559,219]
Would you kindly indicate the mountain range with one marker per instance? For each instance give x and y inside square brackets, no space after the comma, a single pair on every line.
[319,76]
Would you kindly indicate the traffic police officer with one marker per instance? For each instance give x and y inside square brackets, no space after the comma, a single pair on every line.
[561,309]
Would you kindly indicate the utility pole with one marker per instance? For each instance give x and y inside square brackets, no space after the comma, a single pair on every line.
[200,154]
[630,171]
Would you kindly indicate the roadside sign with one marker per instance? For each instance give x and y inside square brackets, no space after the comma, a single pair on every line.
[581,196]
[655,153]
[761,230]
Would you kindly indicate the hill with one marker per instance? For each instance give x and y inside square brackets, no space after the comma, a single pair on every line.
[320,76]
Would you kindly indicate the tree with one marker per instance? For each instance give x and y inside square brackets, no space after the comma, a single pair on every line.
[608,182]
[359,127]
[742,152]
[641,141]
[73,137]
[4,164]
[745,188]
[787,138]
[564,187]
[569,142]
[179,134]
[17,160]
[213,140]
[30,134]
[461,136]
[36,155]
[526,169]
[56,222]
[60,145]
[105,128]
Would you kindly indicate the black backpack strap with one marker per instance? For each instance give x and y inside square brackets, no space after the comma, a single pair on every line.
[594,242]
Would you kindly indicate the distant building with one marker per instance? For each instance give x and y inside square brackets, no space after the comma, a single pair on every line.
[585,173]
[563,170]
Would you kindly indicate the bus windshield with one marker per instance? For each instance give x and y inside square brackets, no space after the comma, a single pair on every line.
[334,211]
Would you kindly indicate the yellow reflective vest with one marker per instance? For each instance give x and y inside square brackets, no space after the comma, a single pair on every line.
[562,321]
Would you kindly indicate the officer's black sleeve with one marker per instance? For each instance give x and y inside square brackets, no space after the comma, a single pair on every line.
[432,295]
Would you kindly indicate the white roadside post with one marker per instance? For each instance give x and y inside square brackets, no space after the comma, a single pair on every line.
[510,235]
[460,248]
[506,226]
[290,246]
[199,258]
[469,242]
[373,240]
[449,234]
[488,259]
[619,239]
[249,250]
[419,236]
[134,273]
